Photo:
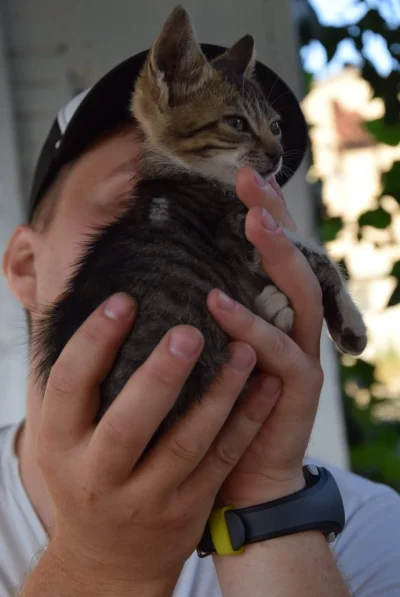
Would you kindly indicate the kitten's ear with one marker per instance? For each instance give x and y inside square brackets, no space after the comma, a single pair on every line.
[241,56]
[176,63]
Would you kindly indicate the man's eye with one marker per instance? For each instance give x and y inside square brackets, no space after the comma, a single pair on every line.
[238,123]
[275,128]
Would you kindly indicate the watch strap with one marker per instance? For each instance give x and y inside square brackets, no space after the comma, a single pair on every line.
[318,506]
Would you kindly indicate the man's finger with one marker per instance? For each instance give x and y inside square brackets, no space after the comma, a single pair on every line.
[254,192]
[277,188]
[242,427]
[179,452]
[71,397]
[289,270]
[128,425]
[276,352]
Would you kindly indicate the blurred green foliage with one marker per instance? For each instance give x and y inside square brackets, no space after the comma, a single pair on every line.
[374,445]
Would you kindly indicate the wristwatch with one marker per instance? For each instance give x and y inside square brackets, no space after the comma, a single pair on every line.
[319,506]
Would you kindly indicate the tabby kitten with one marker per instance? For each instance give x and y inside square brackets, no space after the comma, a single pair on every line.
[183,232]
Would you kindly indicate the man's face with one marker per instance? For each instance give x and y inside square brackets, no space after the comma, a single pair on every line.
[93,193]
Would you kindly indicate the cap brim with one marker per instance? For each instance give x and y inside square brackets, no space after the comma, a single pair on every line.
[107,104]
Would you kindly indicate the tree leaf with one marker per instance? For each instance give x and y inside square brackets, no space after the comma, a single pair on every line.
[391,182]
[308,79]
[377,460]
[396,270]
[383,87]
[378,218]
[384,132]
[372,21]
[395,298]
[362,372]
[331,38]
[330,228]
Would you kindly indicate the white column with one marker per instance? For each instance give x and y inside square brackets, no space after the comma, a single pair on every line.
[12,326]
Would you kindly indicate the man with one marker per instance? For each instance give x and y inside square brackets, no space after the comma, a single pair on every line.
[80,512]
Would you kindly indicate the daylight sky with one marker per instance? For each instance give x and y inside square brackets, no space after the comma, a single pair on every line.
[340,12]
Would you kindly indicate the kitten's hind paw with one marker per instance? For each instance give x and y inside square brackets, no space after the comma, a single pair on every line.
[273,306]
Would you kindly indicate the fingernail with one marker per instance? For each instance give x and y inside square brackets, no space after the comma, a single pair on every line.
[118,306]
[242,358]
[184,344]
[225,302]
[268,221]
[264,184]
[276,188]
[258,179]
[270,385]
[274,184]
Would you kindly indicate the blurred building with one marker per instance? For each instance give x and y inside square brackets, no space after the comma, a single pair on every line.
[350,162]
[50,50]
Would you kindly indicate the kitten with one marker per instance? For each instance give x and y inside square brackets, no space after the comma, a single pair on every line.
[183,232]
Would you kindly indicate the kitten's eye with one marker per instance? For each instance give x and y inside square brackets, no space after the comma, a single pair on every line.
[275,128]
[238,123]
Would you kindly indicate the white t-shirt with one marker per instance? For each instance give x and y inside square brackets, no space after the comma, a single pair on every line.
[367,551]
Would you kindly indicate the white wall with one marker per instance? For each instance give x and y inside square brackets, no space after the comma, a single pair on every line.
[56,47]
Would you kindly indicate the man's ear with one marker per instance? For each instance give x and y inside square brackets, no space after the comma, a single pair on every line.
[241,57]
[19,266]
[176,64]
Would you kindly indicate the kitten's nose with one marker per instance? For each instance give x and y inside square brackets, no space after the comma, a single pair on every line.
[274,156]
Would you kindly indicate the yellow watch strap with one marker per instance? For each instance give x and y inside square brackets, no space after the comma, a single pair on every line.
[220,534]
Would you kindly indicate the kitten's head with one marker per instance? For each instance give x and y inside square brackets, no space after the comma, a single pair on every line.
[210,117]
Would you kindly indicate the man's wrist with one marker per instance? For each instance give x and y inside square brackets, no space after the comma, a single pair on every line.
[294,541]
[298,564]
[260,491]
[57,576]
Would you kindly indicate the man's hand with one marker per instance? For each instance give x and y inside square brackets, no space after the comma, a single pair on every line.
[301,564]
[124,525]
[272,465]
[255,192]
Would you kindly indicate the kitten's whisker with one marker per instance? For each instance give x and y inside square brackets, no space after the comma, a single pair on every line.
[272,88]
[287,168]
[279,97]
[293,152]
[285,171]
[284,164]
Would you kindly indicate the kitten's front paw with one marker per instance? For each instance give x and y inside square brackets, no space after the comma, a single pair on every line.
[273,306]
[351,334]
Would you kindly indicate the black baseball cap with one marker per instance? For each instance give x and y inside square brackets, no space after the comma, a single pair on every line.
[106,105]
